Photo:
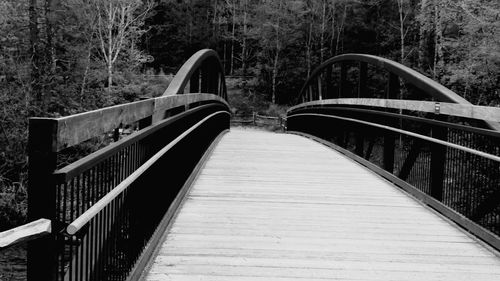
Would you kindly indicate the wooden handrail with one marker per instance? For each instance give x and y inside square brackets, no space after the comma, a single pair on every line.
[74,129]
[25,233]
[395,69]
[415,135]
[83,219]
[451,109]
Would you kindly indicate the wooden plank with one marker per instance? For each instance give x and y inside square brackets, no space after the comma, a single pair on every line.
[461,110]
[280,207]
[25,233]
[77,128]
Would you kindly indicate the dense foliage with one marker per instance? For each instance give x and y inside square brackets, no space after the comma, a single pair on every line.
[281,41]
[59,57]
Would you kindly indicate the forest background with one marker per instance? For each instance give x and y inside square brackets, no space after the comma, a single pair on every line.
[60,57]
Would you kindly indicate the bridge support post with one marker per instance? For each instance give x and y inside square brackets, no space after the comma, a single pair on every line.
[205,79]
[359,141]
[343,80]
[329,84]
[438,159]
[389,137]
[42,253]
[363,73]
[194,82]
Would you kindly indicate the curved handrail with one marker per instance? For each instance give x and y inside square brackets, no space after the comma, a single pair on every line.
[422,82]
[407,133]
[211,68]
[482,113]
[446,163]
[88,215]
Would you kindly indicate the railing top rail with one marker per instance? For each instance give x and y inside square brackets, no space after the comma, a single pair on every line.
[83,219]
[184,74]
[415,135]
[75,168]
[451,109]
[419,80]
[74,129]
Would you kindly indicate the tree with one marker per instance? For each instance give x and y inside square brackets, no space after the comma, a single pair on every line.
[277,23]
[118,26]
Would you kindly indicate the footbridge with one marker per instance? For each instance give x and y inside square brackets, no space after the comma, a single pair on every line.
[378,173]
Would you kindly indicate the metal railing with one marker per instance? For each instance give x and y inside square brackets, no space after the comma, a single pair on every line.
[454,168]
[367,76]
[446,154]
[106,208]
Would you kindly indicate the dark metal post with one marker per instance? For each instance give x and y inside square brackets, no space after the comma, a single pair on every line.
[389,141]
[329,84]
[205,78]
[145,122]
[320,88]
[363,74]
[42,253]
[194,82]
[359,141]
[343,80]
[438,158]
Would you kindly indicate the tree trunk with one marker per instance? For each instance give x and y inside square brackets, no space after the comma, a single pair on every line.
[276,56]
[244,44]
[214,23]
[50,54]
[322,37]
[401,30]
[438,38]
[422,44]
[308,48]
[340,29]
[34,50]
[275,74]
[110,46]
[224,56]
[233,37]
[86,72]
[332,38]
[110,75]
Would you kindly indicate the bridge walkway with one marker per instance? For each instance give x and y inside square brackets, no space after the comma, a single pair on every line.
[272,206]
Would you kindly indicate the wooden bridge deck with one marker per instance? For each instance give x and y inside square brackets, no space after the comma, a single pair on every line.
[282,207]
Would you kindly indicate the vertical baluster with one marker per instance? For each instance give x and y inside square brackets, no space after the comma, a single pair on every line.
[438,157]
[389,141]
[194,82]
[329,83]
[205,79]
[320,87]
[363,73]
[343,80]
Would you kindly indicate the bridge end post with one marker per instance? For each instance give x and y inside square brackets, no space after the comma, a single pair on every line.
[343,80]
[42,153]
[438,159]
[362,83]
[389,137]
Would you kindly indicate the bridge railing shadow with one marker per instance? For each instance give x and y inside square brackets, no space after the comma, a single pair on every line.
[446,154]
[102,213]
